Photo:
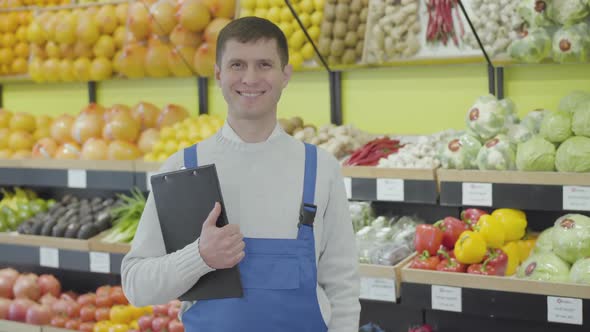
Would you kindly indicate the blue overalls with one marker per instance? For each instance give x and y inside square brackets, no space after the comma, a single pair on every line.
[279,277]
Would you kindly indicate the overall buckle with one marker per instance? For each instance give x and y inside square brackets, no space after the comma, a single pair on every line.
[307,214]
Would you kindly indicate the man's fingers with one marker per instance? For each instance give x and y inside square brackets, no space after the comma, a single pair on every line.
[237,248]
[230,230]
[213,216]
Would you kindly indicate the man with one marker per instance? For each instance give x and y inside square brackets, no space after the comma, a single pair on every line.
[298,274]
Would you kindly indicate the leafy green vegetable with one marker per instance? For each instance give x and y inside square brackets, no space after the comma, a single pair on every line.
[571,237]
[557,127]
[126,218]
[532,47]
[567,12]
[497,154]
[518,133]
[581,121]
[460,152]
[544,242]
[571,44]
[536,154]
[580,272]
[574,101]
[573,155]
[544,267]
[533,120]
[533,13]
[487,117]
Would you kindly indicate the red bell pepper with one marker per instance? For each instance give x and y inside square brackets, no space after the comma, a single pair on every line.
[423,328]
[444,253]
[428,238]
[450,264]
[425,262]
[471,216]
[498,260]
[482,269]
[452,228]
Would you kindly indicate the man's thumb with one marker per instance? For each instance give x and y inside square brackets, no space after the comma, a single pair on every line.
[213,216]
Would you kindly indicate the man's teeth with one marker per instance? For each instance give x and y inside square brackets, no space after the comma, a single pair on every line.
[250,94]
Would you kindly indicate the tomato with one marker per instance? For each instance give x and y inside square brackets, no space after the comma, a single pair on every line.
[88,313]
[103,290]
[121,314]
[116,289]
[49,285]
[86,299]
[161,310]
[175,326]
[73,324]
[118,328]
[73,310]
[173,312]
[102,314]
[145,322]
[38,315]
[87,327]
[70,296]
[103,301]
[117,297]
[58,321]
[160,324]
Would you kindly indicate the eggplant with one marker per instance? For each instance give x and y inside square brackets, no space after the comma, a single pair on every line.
[108,202]
[25,228]
[59,230]
[96,201]
[72,231]
[103,225]
[87,231]
[86,220]
[37,227]
[47,227]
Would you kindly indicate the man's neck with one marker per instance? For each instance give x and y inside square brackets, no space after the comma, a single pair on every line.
[253,131]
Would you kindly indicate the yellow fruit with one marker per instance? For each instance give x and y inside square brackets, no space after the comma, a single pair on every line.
[6,56]
[133,65]
[51,70]
[118,62]
[246,13]
[287,29]
[9,39]
[274,14]
[4,138]
[180,61]
[262,4]
[38,52]
[156,60]
[316,19]
[318,5]
[170,146]
[82,69]
[8,23]
[52,50]
[204,61]
[307,51]
[277,3]
[104,47]
[139,20]
[87,29]
[286,15]
[305,20]
[36,34]
[296,60]
[67,51]
[248,4]
[159,147]
[306,6]
[21,34]
[21,50]
[20,140]
[81,50]
[150,157]
[65,30]
[19,66]
[119,36]
[66,70]
[100,69]
[163,17]
[182,135]
[181,36]
[261,12]
[36,70]
[106,18]
[121,12]
[167,133]
[162,156]
[194,15]
[297,40]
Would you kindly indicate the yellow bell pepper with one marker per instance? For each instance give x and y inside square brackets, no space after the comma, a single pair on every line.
[512,251]
[492,230]
[119,328]
[102,326]
[121,314]
[134,325]
[470,248]
[514,222]
[524,248]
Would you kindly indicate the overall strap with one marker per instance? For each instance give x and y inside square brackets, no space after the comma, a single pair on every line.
[190,157]
[308,208]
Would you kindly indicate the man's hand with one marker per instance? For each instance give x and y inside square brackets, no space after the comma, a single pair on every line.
[220,248]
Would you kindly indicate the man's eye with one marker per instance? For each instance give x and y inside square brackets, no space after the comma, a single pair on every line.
[236,65]
[266,65]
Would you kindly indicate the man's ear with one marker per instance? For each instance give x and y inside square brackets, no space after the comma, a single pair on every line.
[217,75]
[287,71]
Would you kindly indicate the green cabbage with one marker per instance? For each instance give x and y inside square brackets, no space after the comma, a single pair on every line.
[580,272]
[533,47]
[486,118]
[535,154]
[544,242]
[544,267]
[518,133]
[571,44]
[573,155]
[581,122]
[534,12]
[509,108]
[460,152]
[567,12]
[533,120]
[556,127]
[571,237]
[574,101]
[497,154]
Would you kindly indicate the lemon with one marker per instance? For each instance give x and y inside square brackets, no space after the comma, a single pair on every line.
[182,134]
[287,29]
[260,12]
[262,4]
[305,19]
[162,156]
[286,15]
[170,147]
[314,32]
[159,147]
[167,133]
[274,14]
[316,18]
[306,6]
[296,60]
[318,4]
[307,51]
[194,137]
[248,4]
[246,13]
[184,144]
[297,39]
[150,157]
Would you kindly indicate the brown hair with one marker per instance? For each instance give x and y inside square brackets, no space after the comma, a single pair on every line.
[252,29]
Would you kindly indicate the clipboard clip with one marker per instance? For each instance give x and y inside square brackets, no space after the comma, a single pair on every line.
[307,214]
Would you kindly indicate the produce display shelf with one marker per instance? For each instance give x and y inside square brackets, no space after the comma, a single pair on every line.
[143,171]
[62,253]
[391,184]
[492,296]
[24,78]
[381,282]
[9,326]
[426,61]
[543,191]
[113,175]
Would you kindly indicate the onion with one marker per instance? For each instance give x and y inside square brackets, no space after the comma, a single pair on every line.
[48,299]
[6,284]
[18,309]
[49,284]
[26,287]
[60,307]
[38,315]
[4,307]
[8,272]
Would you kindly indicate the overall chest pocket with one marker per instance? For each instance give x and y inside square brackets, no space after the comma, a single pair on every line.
[268,271]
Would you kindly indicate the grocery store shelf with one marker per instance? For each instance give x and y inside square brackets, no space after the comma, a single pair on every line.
[544,191]
[9,326]
[96,244]
[389,184]
[44,241]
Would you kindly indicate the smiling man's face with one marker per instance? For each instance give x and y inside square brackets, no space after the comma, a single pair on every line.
[252,78]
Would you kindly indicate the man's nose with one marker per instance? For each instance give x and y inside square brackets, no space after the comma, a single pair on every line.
[250,76]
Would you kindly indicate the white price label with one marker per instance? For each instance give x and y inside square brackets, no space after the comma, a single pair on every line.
[148,180]
[446,298]
[478,194]
[564,310]
[379,289]
[348,187]
[576,198]
[391,190]
[76,178]
[49,257]
[100,262]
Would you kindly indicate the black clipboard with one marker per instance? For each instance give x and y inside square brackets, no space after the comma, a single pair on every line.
[184,199]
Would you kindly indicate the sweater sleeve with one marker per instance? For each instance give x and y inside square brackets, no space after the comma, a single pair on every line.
[338,264]
[150,276]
